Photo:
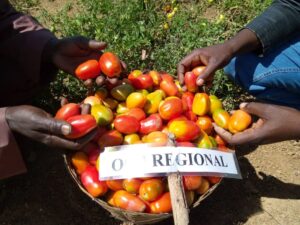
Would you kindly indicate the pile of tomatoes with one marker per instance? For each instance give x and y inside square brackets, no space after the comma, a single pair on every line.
[144,108]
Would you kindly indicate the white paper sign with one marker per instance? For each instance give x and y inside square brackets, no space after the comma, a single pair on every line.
[129,161]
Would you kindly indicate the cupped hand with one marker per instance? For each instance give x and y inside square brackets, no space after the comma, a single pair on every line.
[275,123]
[213,57]
[40,126]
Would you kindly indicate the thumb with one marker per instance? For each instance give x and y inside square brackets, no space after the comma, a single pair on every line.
[208,71]
[255,108]
[57,127]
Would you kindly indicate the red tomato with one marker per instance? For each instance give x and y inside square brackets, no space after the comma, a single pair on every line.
[205,123]
[143,81]
[110,64]
[88,69]
[127,201]
[89,179]
[170,108]
[190,81]
[138,113]
[81,125]
[126,124]
[93,156]
[68,110]
[162,205]
[239,121]
[150,190]
[151,123]
[187,100]
[191,183]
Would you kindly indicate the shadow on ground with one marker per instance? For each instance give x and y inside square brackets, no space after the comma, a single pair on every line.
[47,195]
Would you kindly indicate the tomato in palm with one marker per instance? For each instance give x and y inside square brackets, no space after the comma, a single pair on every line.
[190,81]
[110,64]
[126,124]
[162,205]
[239,121]
[124,200]
[88,69]
[221,118]
[81,125]
[150,190]
[68,110]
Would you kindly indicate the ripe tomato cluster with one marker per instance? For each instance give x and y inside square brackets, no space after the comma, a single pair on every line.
[108,63]
[144,108]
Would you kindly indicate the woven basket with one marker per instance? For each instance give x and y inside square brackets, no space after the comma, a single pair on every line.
[127,216]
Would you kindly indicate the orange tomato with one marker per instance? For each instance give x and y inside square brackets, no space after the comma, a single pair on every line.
[203,187]
[124,200]
[110,138]
[201,104]
[138,113]
[110,198]
[221,118]
[205,124]
[220,140]
[168,85]
[191,183]
[136,100]
[162,205]
[132,185]
[151,189]
[158,138]
[184,130]
[115,185]
[198,70]
[79,161]
[239,121]
[170,108]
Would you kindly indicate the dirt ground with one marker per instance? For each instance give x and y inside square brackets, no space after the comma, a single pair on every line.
[269,192]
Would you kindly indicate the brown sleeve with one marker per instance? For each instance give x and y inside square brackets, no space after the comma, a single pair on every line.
[22,41]
[11,161]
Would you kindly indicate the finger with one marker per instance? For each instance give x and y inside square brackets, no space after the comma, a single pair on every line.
[85,109]
[53,126]
[63,101]
[255,108]
[113,80]
[100,80]
[97,45]
[207,72]
[123,64]
[88,83]
[181,69]
[61,142]
[249,136]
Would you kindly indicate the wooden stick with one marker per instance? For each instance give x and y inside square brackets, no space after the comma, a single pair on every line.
[179,205]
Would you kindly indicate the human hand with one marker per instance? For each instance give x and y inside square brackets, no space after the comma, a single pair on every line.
[68,53]
[213,57]
[275,123]
[40,126]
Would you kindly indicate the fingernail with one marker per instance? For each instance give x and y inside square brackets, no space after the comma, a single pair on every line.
[66,129]
[200,82]
[243,105]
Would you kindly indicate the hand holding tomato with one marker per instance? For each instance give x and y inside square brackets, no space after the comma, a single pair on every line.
[213,57]
[275,123]
[38,125]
